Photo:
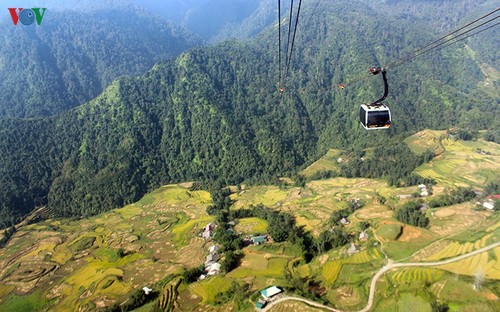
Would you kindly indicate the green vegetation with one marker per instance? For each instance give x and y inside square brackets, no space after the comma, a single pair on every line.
[82,244]
[395,162]
[78,63]
[410,214]
[32,302]
[390,231]
[212,115]
[7,234]
[455,196]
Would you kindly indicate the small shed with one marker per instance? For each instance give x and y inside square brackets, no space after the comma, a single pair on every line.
[261,304]
[147,290]
[344,221]
[270,292]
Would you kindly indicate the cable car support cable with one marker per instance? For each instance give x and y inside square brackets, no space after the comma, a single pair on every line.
[430,47]
[280,83]
[293,39]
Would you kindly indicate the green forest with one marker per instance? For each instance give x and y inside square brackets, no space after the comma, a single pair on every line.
[74,57]
[214,115]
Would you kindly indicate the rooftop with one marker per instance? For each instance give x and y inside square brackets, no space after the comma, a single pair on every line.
[270,292]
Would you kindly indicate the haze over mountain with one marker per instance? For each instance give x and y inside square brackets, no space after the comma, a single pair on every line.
[72,56]
[213,114]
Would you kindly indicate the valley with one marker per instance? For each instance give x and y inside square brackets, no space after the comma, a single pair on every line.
[92,263]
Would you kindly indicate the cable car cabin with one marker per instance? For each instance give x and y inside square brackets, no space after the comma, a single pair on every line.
[374,117]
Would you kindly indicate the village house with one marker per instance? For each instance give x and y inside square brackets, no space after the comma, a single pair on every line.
[353,249]
[363,236]
[257,240]
[208,231]
[214,269]
[423,190]
[489,204]
[261,303]
[213,249]
[270,292]
[212,258]
[344,221]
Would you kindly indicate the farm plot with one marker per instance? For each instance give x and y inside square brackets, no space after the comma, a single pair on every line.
[331,270]
[251,226]
[410,275]
[488,265]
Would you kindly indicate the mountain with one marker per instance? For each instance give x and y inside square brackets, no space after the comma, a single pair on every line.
[73,56]
[214,114]
[206,18]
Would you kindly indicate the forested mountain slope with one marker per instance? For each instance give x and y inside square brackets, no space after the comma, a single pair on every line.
[214,114]
[72,56]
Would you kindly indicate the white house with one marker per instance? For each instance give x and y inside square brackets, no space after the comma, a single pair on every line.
[213,249]
[270,292]
[489,204]
[214,269]
[363,235]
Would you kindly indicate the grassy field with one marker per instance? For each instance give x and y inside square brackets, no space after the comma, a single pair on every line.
[32,302]
[389,231]
[411,303]
[251,226]
[260,265]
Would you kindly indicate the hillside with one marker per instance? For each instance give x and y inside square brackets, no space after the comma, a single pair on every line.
[111,256]
[71,58]
[213,115]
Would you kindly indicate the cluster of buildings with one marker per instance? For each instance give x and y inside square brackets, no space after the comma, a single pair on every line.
[212,267]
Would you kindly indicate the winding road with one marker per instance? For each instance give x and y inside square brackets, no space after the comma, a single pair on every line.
[389,266]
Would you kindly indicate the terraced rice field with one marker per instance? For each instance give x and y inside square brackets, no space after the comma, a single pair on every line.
[289,306]
[192,227]
[409,275]
[326,163]
[482,262]
[211,287]
[456,248]
[331,270]
[461,164]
